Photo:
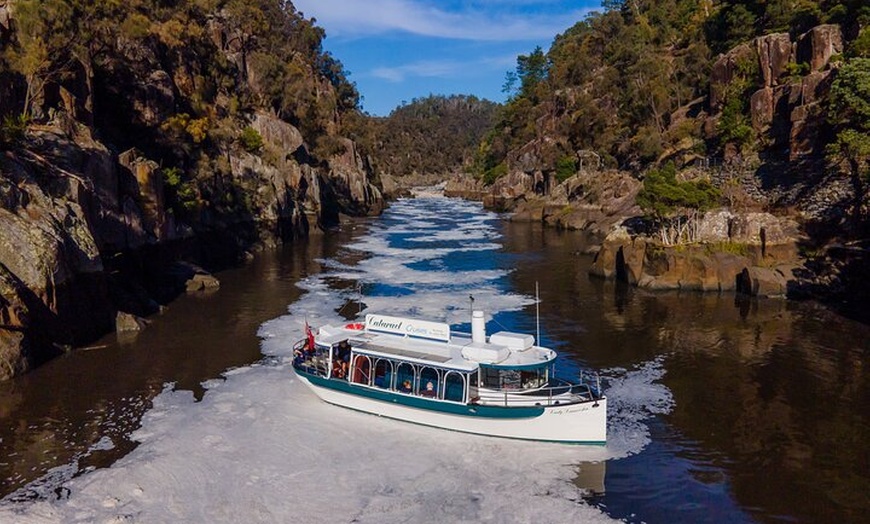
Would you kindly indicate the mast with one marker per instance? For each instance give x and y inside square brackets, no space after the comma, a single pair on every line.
[537,315]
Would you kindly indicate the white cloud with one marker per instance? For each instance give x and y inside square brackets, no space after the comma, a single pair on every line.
[442,68]
[425,68]
[343,18]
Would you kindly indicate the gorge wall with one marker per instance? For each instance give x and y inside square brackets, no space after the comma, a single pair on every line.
[148,149]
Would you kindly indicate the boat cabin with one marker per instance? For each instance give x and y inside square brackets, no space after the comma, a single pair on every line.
[423,358]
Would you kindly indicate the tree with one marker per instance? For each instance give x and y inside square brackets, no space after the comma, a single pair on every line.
[849,111]
[531,70]
[43,33]
[675,206]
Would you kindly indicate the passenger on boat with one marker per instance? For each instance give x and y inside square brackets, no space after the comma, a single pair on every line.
[429,391]
[343,360]
[406,387]
[339,368]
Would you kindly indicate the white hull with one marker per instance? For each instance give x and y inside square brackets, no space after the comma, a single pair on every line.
[583,423]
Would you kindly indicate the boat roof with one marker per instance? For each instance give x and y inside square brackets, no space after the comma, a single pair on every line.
[458,351]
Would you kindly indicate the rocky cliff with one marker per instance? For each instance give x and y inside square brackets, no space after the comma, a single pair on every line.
[767,123]
[162,136]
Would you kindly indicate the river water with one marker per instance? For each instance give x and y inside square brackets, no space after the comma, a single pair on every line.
[720,409]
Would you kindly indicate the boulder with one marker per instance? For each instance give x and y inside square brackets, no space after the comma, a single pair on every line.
[761,108]
[762,282]
[149,178]
[129,322]
[277,133]
[154,98]
[14,349]
[815,87]
[818,45]
[201,282]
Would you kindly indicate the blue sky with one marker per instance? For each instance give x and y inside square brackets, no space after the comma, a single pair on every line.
[398,50]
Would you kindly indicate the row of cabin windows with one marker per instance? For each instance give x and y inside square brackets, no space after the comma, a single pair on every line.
[405,377]
[446,384]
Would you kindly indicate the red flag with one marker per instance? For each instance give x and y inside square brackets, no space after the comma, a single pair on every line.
[310,336]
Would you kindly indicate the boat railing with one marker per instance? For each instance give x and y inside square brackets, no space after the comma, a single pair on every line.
[307,361]
[563,393]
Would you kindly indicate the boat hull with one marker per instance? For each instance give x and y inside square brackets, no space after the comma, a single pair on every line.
[581,423]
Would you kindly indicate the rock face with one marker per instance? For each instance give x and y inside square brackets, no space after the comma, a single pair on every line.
[774,54]
[88,201]
[818,45]
[764,267]
[784,107]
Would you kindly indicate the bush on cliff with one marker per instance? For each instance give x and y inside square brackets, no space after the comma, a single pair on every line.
[674,206]
[849,111]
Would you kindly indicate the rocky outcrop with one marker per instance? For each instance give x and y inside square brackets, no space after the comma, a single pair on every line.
[467,187]
[54,290]
[725,70]
[774,54]
[591,201]
[754,253]
[786,108]
[818,45]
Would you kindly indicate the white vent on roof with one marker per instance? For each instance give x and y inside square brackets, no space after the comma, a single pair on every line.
[515,341]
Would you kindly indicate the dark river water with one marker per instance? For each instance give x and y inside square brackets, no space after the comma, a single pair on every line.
[768,423]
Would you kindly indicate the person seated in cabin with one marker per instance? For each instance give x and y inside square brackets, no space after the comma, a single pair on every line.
[406,387]
[338,370]
[344,351]
[429,391]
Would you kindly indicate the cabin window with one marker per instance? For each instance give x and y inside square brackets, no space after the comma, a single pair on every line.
[503,378]
[405,378]
[511,379]
[320,359]
[491,378]
[454,387]
[535,378]
[383,373]
[430,380]
[362,367]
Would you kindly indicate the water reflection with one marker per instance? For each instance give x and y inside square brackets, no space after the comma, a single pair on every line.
[77,411]
[772,397]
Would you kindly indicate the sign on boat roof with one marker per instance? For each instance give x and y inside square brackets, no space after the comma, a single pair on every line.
[424,329]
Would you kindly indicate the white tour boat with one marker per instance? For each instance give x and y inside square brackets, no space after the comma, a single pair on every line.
[501,385]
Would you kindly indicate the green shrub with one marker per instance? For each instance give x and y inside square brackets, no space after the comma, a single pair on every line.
[251,140]
[566,167]
[795,70]
[733,248]
[13,129]
[493,174]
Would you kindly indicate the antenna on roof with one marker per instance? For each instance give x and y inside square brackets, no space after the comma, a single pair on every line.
[537,315]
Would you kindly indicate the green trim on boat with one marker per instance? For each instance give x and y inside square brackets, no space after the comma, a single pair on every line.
[422,402]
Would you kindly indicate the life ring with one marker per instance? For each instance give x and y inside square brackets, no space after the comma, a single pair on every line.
[355,326]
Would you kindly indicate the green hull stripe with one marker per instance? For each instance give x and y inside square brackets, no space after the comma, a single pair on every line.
[422,402]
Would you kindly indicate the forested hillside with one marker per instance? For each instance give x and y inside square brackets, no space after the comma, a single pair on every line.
[639,84]
[433,135]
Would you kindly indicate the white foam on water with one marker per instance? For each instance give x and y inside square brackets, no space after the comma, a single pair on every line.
[633,397]
[260,447]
